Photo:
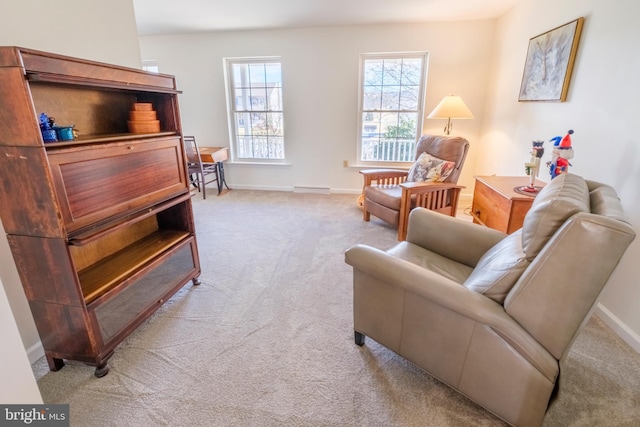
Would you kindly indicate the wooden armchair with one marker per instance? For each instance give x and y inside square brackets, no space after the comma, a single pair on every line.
[387,195]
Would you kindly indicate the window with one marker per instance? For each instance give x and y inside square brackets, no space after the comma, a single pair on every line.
[255,108]
[151,66]
[391,104]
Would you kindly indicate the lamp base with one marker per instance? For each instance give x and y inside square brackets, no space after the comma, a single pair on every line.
[447,128]
[527,190]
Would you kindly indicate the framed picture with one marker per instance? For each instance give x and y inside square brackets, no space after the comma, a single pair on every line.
[550,58]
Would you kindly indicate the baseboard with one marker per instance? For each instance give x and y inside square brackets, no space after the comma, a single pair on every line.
[307,189]
[619,327]
[260,187]
[35,352]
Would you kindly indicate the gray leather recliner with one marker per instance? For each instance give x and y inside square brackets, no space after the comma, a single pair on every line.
[493,315]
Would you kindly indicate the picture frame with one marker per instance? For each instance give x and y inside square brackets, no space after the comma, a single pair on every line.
[549,63]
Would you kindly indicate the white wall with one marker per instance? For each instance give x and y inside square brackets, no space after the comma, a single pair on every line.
[16,377]
[320,82]
[99,30]
[102,31]
[601,108]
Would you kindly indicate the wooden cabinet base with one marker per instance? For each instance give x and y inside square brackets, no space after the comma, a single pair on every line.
[496,205]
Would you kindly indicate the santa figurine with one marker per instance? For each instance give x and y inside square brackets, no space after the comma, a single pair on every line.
[561,154]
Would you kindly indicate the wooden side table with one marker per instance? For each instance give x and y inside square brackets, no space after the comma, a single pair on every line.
[497,205]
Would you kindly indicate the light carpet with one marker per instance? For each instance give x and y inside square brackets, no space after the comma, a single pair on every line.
[267,339]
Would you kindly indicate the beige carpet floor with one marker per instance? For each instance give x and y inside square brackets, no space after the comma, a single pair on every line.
[267,339]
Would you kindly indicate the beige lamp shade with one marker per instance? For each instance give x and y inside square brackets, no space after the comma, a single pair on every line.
[451,107]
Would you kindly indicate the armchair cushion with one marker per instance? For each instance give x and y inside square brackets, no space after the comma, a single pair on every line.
[385,195]
[499,268]
[428,168]
[564,196]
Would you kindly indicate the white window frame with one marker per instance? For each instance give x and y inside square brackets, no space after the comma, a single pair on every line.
[424,56]
[249,102]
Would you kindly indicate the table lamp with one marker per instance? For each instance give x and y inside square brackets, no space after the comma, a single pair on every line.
[451,107]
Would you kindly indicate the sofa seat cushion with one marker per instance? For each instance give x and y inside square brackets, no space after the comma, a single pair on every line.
[431,261]
[428,168]
[385,195]
[499,268]
[563,197]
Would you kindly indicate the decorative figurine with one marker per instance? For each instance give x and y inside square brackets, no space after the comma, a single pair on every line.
[46,127]
[532,169]
[561,154]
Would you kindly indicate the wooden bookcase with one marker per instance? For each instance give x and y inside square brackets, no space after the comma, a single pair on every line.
[101,227]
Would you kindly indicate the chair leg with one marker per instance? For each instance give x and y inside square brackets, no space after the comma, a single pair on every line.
[202,183]
[366,215]
[359,338]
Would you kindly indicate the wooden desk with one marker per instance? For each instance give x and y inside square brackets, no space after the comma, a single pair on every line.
[497,206]
[213,154]
[216,155]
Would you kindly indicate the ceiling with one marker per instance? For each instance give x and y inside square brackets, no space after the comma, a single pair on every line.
[189,16]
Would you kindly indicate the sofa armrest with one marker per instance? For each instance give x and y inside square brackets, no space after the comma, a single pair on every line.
[408,277]
[456,239]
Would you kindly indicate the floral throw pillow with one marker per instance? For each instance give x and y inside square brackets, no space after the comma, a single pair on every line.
[429,168]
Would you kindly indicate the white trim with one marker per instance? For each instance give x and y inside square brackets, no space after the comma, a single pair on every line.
[619,327]
[35,352]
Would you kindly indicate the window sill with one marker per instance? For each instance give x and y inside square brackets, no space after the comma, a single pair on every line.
[379,166]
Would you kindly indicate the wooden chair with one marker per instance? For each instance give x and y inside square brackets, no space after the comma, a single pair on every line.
[198,170]
[388,196]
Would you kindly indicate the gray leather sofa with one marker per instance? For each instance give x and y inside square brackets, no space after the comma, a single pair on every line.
[493,315]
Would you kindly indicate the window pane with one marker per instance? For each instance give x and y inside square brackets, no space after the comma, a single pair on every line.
[388,125]
[241,99]
[258,99]
[391,98]
[273,74]
[409,97]
[372,98]
[411,71]
[274,98]
[274,124]
[243,124]
[240,76]
[257,75]
[373,72]
[392,71]
[244,147]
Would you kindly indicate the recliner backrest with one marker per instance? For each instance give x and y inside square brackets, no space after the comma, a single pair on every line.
[571,259]
[450,148]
